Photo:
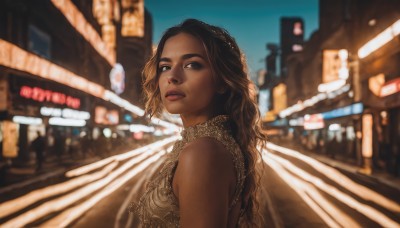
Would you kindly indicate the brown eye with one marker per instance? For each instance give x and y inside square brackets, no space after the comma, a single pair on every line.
[194,65]
[163,68]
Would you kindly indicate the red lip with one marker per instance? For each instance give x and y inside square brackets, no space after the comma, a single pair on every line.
[174,95]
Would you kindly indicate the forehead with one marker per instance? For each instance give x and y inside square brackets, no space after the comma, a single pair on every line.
[183,43]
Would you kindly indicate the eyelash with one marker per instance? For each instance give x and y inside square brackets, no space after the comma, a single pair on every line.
[191,65]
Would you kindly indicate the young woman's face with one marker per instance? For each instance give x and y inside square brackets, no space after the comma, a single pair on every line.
[186,82]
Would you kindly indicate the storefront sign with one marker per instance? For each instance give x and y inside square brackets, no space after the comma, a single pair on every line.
[334,65]
[375,84]
[367,135]
[27,120]
[105,116]
[65,113]
[344,111]
[391,87]
[117,79]
[297,122]
[42,95]
[10,139]
[58,121]
[312,122]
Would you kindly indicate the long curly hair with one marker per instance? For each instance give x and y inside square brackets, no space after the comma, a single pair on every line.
[230,72]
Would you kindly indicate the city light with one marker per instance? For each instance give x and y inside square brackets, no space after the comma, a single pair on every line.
[381,39]
[115,179]
[331,86]
[78,21]
[340,218]
[27,120]
[340,178]
[58,121]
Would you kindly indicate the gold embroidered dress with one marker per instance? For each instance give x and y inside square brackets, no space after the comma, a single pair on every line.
[158,207]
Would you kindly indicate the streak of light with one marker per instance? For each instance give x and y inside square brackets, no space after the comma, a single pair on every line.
[14,205]
[366,210]
[134,191]
[66,200]
[298,186]
[122,210]
[70,215]
[340,179]
[120,157]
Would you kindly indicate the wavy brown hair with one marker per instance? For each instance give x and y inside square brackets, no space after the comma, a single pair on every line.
[230,72]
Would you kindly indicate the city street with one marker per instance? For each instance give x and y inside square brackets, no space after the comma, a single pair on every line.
[296,191]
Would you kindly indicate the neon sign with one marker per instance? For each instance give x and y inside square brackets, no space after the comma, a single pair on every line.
[42,95]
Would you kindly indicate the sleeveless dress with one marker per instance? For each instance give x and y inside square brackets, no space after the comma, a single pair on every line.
[158,207]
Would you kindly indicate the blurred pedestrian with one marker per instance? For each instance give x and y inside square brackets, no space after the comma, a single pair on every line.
[59,145]
[39,145]
[199,72]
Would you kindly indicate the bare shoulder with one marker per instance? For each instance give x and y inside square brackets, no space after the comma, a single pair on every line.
[206,162]
[203,183]
[206,151]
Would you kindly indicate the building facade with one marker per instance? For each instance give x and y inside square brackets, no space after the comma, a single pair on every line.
[55,64]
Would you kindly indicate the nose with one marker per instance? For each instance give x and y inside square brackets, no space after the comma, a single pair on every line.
[172,80]
[174,76]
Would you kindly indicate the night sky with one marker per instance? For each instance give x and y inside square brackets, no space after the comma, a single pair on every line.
[253,23]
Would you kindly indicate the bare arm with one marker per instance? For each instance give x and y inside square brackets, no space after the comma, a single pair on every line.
[203,184]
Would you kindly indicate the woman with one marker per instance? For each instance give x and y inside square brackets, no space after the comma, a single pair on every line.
[209,179]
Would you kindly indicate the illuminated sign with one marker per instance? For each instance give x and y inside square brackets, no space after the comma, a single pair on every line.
[105,116]
[381,39]
[10,139]
[16,58]
[27,120]
[58,121]
[117,79]
[312,122]
[297,122]
[375,84]
[344,111]
[367,135]
[65,113]
[334,65]
[391,87]
[132,18]
[78,21]
[42,95]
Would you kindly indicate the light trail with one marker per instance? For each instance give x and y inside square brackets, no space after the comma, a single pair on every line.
[366,210]
[70,215]
[297,185]
[340,179]
[19,203]
[120,157]
[122,210]
[65,201]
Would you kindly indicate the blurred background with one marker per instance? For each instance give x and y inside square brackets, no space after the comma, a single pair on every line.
[75,143]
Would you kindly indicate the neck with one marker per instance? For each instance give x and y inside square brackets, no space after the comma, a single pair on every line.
[189,121]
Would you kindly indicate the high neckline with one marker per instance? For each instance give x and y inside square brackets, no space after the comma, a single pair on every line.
[217,121]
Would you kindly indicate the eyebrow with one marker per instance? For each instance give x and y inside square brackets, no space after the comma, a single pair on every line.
[186,56]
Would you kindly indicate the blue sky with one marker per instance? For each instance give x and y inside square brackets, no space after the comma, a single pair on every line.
[253,23]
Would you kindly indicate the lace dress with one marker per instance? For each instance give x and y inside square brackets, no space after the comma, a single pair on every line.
[158,207]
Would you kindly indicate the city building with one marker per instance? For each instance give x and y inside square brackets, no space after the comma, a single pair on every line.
[62,70]
[343,87]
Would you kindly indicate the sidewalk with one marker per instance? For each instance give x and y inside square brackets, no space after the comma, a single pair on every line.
[379,176]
